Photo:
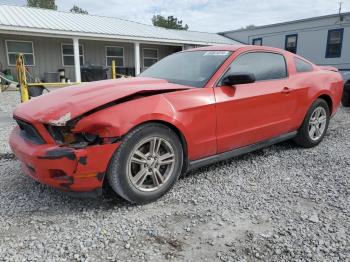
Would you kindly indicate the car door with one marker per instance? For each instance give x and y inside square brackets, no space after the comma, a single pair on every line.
[250,113]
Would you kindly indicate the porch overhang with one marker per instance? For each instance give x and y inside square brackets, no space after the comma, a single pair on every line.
[97,37]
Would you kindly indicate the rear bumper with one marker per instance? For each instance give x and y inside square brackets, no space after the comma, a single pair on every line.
[64,168]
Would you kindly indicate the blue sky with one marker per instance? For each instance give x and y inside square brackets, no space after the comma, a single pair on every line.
[207,15]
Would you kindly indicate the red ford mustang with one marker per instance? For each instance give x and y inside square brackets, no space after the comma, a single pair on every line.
[190,109]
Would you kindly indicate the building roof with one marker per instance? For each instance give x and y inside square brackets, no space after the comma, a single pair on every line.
[24,20]
[287,23]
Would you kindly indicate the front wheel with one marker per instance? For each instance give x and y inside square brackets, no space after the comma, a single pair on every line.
[147,163]
[315,125]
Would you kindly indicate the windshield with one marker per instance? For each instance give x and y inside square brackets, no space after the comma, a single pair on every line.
[193,68]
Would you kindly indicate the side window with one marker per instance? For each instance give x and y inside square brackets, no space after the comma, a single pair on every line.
[302,66]
[264,65]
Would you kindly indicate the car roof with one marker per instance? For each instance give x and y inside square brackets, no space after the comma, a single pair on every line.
[238,47]
[244,48]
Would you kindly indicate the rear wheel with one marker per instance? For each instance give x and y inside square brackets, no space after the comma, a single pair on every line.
[147,163]
[315,125]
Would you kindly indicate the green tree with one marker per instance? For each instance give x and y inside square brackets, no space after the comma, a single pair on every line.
[169,22]
[248,27]
[47,4]
[78,10]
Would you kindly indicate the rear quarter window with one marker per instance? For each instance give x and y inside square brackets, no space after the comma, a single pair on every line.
[302,66]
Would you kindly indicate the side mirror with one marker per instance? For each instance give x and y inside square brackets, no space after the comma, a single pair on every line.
[238,78]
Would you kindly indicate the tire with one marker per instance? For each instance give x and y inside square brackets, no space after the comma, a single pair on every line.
[138,181]
[346,96]
[304,137]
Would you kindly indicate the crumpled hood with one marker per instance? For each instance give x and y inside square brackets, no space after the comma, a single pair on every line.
[60,106]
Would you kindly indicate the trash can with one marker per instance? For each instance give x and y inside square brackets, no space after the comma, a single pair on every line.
[92,73]
[62,73]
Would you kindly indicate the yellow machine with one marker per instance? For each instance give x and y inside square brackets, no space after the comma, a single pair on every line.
[24,85]
[22,78]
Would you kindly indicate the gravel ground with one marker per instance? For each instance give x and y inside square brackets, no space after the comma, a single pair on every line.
[8,102]
[282,203]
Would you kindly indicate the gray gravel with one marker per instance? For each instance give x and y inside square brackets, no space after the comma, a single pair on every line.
[8,102]
[278,204]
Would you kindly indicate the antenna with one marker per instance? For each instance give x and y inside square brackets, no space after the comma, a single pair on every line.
[340,6]
[341,17]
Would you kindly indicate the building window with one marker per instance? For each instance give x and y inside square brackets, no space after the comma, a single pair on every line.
[68,54]
[257,41]
[14,48]
[334,43]
[115,53]
[150,56]
[302,66]
[291,43]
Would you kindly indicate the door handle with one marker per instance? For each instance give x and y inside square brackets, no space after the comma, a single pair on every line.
[286,90]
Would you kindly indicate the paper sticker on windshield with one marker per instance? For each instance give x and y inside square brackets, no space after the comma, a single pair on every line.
[216,53]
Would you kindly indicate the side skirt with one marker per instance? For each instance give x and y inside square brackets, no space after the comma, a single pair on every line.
[239,151]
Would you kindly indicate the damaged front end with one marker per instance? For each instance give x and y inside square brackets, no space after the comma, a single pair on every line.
[64,136]
[74,162]
[68,137]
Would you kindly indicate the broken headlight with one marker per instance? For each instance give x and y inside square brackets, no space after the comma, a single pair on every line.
[64,136]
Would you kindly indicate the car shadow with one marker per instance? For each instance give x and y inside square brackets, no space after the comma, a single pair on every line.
[279,148]
[38,199]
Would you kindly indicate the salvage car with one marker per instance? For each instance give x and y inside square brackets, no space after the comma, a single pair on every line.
[190,109]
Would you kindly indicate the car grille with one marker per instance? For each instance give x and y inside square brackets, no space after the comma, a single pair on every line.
[29,132]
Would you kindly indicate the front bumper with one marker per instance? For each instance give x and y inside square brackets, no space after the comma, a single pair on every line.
[64,168]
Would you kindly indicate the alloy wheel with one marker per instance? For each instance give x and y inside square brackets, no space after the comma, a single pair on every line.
[317,123]
[151,163]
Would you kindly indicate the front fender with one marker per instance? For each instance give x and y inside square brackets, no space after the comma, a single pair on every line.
[117,120]
[192,112]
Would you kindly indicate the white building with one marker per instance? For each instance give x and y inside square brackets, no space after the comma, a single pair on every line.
[52,40]
[324,40]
